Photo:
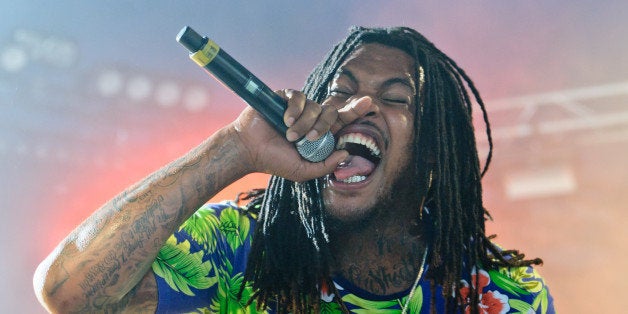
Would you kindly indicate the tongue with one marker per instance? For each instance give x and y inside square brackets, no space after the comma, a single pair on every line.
[354,166]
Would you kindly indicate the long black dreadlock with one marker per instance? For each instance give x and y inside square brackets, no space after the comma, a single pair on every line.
[290,256]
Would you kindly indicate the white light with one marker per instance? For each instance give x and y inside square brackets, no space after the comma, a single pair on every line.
[167,94]
[27,37]
[542,182]
[196,99]
[109,83]
[13,59]
[52,50]
[63,53]
[139,88]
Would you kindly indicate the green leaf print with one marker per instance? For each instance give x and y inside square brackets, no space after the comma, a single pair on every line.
[520,306]
[541,302]
[416,302]
[544,301]
[369,306]
[330,307]
[376,311]
[226,300]
[235,226]
[202,227]
[181,269]
[506,283]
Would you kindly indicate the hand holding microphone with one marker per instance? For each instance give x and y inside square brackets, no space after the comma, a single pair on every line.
[258,95]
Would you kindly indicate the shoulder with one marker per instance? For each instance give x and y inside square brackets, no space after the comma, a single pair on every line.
[514,289]
[222,222]
[228,208]
[207,253]
[211,215]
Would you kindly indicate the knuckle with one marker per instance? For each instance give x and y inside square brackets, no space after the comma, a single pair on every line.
[330,113]
[317,109]
[314,106]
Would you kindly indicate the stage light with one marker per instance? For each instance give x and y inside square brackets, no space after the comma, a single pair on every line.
[167,94]
[109,83]
[139,88]
[543,181]
[196,99]
[13,59]
[48,49]
[59,52]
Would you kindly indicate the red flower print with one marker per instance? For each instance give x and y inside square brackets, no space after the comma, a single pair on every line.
[491,302]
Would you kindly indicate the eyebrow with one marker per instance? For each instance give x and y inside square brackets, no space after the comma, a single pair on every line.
[407,81]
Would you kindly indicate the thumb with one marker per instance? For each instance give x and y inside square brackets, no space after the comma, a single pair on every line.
[327,166]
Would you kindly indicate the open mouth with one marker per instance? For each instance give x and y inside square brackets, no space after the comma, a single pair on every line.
[364,157]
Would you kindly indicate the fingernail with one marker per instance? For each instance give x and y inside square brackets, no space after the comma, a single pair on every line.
[289,121]
[312,135]
[292,136]
[343,161]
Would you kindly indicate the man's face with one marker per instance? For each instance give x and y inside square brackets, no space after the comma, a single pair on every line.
[379,141]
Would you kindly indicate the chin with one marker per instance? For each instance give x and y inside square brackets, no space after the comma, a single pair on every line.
[376,201]
[349,209]
[346,214]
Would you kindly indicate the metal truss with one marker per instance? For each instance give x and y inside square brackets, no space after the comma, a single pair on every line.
[596,110]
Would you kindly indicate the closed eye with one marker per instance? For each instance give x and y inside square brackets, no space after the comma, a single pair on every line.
[397,100]
[339,93]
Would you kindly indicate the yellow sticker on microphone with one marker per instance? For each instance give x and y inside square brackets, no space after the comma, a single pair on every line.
[204,56]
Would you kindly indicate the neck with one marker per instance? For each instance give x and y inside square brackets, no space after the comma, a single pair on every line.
[380,255]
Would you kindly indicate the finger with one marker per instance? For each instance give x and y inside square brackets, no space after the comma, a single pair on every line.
[326,119]
[295,104]
[354,110]
[305,122]
[318,169]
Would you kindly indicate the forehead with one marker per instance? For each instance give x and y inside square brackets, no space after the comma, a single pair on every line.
[375,58]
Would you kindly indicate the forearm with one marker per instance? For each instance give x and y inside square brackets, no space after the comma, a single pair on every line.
[107,255]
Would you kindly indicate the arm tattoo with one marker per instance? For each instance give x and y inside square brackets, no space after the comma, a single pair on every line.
[133,226]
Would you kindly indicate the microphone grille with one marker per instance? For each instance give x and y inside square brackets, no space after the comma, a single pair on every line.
[318,150]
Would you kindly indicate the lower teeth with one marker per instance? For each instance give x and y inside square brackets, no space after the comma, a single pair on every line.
[354,179]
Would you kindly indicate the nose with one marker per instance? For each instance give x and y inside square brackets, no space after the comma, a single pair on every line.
[364,106]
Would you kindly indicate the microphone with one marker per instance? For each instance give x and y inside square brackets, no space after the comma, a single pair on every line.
[208,55]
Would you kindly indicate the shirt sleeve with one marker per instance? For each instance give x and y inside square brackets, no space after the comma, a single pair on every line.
[201,259]
[512,290]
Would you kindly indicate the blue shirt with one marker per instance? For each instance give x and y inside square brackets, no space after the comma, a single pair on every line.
[201,267]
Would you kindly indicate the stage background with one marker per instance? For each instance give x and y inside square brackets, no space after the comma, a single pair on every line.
[94,95]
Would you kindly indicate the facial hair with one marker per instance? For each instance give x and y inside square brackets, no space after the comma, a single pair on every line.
[401,198]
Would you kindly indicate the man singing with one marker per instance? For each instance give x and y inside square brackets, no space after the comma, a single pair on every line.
[392,221]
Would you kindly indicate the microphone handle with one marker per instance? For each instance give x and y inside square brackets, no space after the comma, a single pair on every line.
[207,54]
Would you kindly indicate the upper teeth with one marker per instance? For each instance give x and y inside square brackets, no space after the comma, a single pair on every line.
[361,139]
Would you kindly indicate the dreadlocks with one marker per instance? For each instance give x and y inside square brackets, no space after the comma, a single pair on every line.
[290,257]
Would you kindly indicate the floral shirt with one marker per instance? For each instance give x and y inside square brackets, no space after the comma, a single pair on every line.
[201,266]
